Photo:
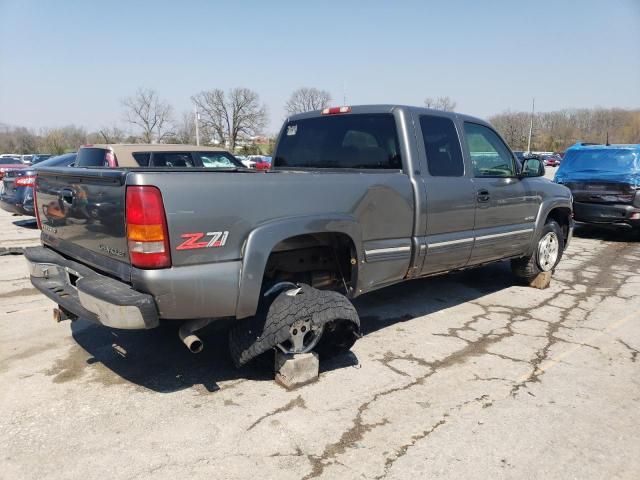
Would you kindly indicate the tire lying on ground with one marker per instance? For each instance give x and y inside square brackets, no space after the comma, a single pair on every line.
[298,319]
[546,255]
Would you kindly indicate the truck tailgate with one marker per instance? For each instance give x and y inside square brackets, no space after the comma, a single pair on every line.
[82,214]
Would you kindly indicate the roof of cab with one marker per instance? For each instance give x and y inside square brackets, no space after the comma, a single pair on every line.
[124,151]
[388,108]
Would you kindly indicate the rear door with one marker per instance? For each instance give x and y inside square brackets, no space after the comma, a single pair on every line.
[449,195]
[506,205]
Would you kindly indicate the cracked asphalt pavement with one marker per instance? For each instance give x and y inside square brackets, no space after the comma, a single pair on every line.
[463,376]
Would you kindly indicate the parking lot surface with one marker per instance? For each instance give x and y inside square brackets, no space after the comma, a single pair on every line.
[463,376]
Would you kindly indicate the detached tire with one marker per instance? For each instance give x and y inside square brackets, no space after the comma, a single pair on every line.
[546,255]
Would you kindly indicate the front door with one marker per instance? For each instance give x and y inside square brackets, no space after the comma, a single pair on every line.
[450,201]
[506,205]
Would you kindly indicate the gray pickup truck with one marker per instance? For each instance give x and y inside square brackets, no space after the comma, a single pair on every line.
[358,198]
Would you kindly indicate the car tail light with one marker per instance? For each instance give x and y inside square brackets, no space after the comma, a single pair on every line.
[26,181]
[147,232]
[336,110]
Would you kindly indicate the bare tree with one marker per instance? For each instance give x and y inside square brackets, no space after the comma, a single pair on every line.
[150,114]
[232,116]
[65,139]
[185,131]
[108,135]
[307,99]
[441,103]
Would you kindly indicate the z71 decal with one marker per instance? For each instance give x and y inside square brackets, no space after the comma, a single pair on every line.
[211,240]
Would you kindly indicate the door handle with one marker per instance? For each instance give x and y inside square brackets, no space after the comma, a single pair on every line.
[483,195]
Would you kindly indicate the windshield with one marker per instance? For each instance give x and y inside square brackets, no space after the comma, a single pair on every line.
[613,160]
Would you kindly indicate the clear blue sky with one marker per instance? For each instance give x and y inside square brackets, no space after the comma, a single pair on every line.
[71,62]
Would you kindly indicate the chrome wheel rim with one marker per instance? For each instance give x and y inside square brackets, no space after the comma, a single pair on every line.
[303,337]
[548,250]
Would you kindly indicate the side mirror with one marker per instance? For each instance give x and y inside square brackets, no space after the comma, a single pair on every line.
[532,167]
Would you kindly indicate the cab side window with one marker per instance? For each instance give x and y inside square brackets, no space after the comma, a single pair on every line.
[442,147]
[489,155]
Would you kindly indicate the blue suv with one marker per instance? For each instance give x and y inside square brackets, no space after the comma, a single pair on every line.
[605,183]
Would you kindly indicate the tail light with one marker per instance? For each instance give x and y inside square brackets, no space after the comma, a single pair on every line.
[26,181]
[147,232]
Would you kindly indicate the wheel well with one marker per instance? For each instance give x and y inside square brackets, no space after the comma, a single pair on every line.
[562,216]
[324,260]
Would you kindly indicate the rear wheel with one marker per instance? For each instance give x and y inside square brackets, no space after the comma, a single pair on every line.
[296,319]
[547,253]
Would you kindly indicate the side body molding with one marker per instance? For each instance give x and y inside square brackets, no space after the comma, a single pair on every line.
[265,237]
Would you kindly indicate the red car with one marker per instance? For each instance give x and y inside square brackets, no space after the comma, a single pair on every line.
[262,163]
[10,163]
[552,161]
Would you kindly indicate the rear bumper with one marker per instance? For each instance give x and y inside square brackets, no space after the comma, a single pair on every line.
[88,294]
[21,201]
[606,213]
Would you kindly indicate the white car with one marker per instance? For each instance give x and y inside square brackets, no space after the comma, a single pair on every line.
[246,161]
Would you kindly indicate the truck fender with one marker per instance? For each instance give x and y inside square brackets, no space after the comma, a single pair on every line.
[543,212]
[264,238]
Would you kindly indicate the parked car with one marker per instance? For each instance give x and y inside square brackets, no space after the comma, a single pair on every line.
[263,163]
[8,164]
[343,212]
[16,188]
[605,183]
[155,155]
[39,157]
[245,161]
[551,160]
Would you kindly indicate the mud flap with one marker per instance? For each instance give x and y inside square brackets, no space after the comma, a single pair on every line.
[270,327]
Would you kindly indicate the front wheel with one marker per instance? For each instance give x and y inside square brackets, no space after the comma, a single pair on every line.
[547,254]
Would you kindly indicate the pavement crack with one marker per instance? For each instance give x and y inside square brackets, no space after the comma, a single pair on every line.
[296,402]
[634,352]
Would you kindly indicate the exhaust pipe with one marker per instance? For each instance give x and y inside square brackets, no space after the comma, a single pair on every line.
[190,339]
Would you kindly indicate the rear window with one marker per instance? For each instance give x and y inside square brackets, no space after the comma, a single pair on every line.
[343,141]
[10,161]
[91,157]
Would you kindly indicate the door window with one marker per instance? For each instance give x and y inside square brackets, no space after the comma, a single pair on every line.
[441,146]
[172,159]
[489,155]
